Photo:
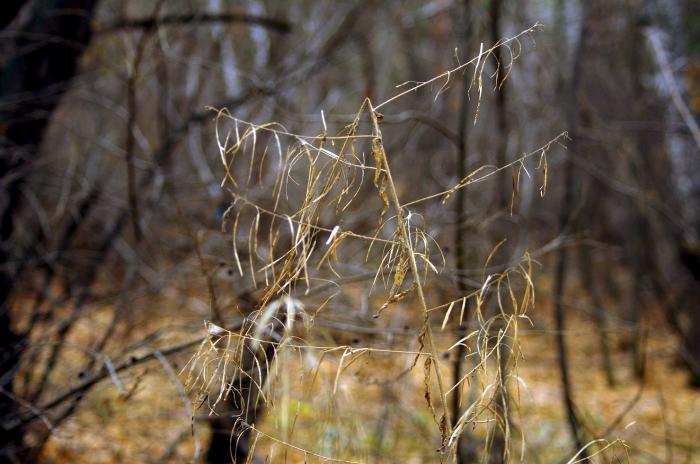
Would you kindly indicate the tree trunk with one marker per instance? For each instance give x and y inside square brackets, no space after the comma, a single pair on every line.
[565,221]
[466,446]
[231,429]
[32,82]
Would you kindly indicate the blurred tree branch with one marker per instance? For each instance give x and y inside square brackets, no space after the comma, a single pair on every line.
[43,59]
[277,25]
[9,11]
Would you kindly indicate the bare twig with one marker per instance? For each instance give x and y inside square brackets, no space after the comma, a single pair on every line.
[274,24]
[654,37]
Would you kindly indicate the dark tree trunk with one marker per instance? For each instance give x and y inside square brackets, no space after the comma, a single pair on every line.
[600,312]
[668,36]
[690,257]
[503,184]
[9,11]
[565,221]
[466,449]
[40,64]
[231,429]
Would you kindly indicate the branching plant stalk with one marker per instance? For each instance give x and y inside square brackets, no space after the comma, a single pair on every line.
[405,239]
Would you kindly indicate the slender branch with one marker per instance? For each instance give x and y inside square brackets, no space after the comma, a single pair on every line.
[447,74]
[130,143]
[189,412]
[89,382]
[428,120]
[661,56]
[277,25]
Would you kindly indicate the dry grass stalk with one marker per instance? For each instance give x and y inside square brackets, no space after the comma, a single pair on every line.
[292,218]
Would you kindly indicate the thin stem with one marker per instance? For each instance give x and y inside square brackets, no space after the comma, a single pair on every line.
[403,230]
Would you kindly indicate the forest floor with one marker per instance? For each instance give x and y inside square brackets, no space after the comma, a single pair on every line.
[380,415]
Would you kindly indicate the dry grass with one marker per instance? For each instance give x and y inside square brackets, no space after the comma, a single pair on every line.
[350,332]
[296,238]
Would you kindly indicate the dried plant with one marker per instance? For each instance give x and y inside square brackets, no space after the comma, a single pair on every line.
[317,220]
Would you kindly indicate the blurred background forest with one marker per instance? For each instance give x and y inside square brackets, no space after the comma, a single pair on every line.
[350,231]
